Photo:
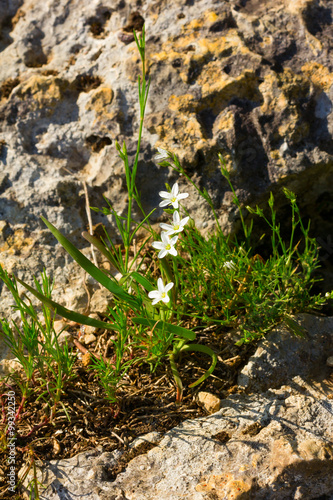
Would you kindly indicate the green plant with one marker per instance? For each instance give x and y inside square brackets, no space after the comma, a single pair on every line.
[170,339]
[47,366]
[225,281]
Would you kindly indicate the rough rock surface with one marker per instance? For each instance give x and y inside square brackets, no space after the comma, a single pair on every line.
[272,445]
[250,79]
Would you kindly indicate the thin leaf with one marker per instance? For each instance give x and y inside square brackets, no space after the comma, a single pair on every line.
[141,224]
[67,313]
[101,247]
[205,350]
[91,269]
[142,280]
[177,330]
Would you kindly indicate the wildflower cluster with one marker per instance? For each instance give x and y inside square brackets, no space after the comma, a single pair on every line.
[169,235]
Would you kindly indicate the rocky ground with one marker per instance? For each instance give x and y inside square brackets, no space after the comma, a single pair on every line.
[273,442]
[252,80]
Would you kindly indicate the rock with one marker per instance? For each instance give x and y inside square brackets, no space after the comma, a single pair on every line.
[100,301]
[248,79]
[59,326]
[282,356]
[90,330]
[210,402]
[271,445]
[220,455]
[65,337]
[88,339]
[329,361]
[9,364]
[252,80]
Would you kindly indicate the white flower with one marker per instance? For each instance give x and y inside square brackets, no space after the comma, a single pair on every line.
[161,293]
[173,197]
[167,245]
[162,155]
[229,264]
[177,225]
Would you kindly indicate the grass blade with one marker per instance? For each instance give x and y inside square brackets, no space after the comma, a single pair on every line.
[67,313]
[91,269]
[142,281]
[205,350]
[176,330]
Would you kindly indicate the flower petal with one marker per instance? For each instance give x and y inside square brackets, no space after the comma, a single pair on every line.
[181,196]
[173,251]
[184,221]
[154,294]
[157,244]
[175,189]
[165,194]
[166,227]
[168,287]
[166,240]
[164,203]
[166,298]
[160,285]
[162,154]
[162,253]
[176,217]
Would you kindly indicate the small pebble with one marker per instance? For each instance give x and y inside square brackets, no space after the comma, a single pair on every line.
[210,402]
[329,361]
[89,339]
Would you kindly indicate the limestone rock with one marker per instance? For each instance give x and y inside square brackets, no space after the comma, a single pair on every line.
[282,356]
[268,446]
[101,301]
[252,80]
[88,339]
[210,402]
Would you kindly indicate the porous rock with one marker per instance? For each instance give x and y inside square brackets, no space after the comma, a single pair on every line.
[252,80]
[271,445]
[282,356]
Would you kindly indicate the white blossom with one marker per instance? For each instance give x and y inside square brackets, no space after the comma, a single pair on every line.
[161,293]
[229,264]
[177,225]
[162,155]
[173,197]
[166,246]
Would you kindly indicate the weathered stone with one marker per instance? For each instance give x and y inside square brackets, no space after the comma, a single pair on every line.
[88,339]
[252,80]
[88,330]
[210,402]
[59,326]
[101,301]
[282,356]
[65,338]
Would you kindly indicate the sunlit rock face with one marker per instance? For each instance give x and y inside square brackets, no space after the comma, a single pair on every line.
[252,80]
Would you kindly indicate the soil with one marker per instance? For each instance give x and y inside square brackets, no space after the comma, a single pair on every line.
[146,402]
